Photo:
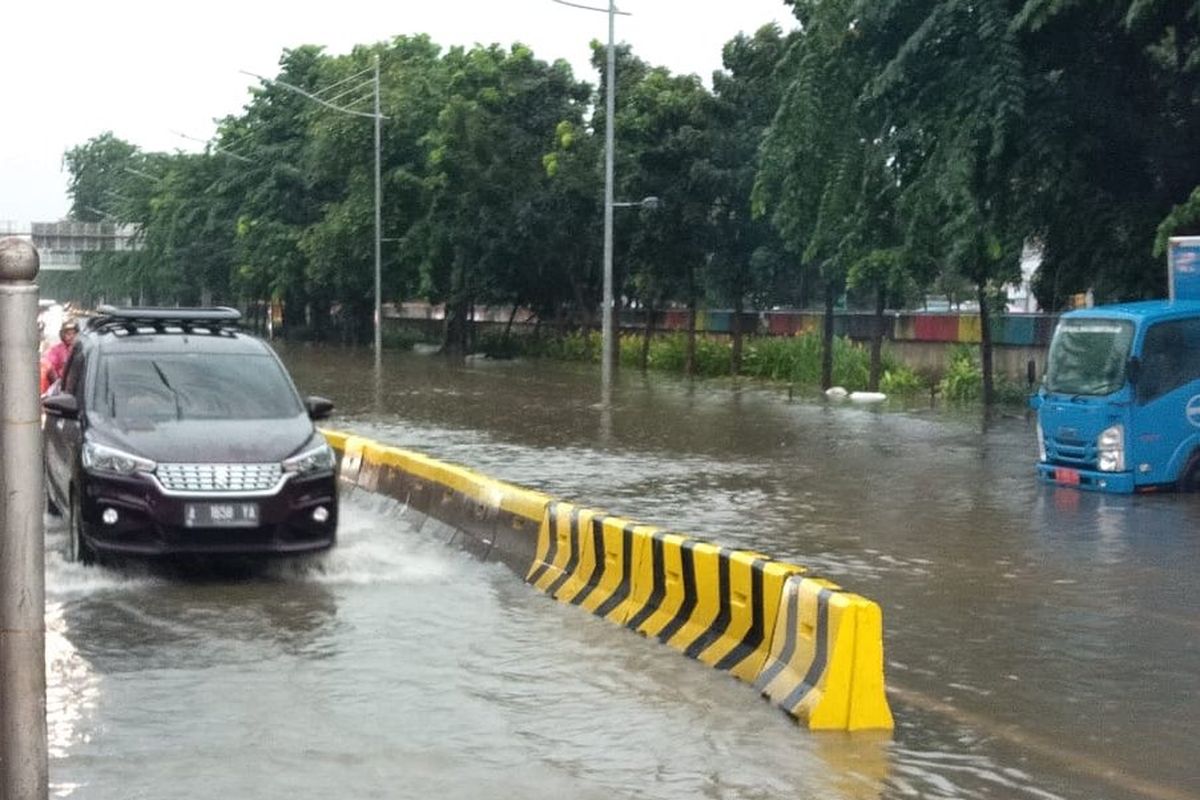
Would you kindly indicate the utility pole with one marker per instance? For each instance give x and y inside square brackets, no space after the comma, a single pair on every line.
[24,771]
[608,348]
[378,118]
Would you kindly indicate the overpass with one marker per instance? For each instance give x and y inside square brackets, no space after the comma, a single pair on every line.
[61,244]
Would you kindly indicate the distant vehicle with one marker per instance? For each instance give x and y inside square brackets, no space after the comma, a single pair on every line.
[1119,406]
[174,433]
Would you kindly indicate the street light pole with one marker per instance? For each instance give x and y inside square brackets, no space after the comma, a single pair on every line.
[378,230]
[607,343]
[608,346]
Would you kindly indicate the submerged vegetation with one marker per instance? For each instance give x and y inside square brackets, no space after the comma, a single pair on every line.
[791,360]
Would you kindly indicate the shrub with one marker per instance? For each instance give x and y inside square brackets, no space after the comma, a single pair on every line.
[902,380]
[963,379]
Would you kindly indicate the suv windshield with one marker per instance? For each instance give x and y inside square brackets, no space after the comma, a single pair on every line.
[1088,356]
[193,386]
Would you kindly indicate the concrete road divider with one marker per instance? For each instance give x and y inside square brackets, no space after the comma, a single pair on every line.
[826,660]
[812,648]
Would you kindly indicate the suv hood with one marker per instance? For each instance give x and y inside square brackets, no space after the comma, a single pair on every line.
[219,441]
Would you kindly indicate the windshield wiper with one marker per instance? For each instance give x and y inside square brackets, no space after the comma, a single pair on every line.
[171,389]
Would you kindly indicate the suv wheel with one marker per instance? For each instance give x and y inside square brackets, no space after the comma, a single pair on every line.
[78,550]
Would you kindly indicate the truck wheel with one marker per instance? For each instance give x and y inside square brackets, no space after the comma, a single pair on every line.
[78,550]
[1189,477]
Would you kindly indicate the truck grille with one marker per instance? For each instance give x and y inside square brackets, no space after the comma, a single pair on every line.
[219,477]
[1071,451]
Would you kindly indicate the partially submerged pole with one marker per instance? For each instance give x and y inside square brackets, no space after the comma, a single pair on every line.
[24,773]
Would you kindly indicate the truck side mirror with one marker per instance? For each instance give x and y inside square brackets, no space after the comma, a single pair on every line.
[1133,370]
[1031,372]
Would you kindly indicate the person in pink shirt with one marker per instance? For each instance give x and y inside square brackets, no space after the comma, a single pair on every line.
[55,360]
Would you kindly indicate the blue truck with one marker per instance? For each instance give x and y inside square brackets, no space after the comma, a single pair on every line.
[1118,409]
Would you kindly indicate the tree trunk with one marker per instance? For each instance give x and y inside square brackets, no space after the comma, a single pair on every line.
[985,346]
[647,334]
[735,327]
[827,337]
[457,307]
[689,362]
[511,317]
[877,341]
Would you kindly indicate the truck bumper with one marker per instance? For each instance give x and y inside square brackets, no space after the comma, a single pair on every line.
[1086,479]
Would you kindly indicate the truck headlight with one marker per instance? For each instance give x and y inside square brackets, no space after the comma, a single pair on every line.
[1041,437]
[1110,449]
[101,458]
[319,459]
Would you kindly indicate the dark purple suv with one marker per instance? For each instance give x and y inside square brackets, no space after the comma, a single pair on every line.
[174,433]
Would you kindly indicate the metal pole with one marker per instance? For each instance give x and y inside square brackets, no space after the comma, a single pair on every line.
[608,346]
[378,228]
[23,762]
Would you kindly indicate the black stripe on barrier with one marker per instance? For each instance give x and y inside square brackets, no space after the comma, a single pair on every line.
[622,592]
[789,645]
[819,657]
[689,592]
[552,548]
[754,637]
[598,556]
[568,571]
[659,591]
[724,616]
[789,642]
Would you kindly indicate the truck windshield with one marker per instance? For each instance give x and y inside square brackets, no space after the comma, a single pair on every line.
[1088,356]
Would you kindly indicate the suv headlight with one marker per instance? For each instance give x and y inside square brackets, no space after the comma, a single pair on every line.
[1110,449]
[101,458]
[319,459]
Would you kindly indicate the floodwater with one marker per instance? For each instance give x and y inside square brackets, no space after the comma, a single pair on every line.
[1039,643]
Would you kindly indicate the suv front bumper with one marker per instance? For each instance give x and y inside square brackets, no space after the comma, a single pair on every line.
[150,522]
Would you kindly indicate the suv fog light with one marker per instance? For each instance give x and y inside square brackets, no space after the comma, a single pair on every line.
[110,516]
[320,515]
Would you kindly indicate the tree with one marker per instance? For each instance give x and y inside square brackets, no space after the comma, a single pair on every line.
[745,250]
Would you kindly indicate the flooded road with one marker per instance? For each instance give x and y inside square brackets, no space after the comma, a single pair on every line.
[1040,643]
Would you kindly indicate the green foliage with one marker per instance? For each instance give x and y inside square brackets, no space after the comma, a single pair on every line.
[963,380]
[902,381]
[882,148]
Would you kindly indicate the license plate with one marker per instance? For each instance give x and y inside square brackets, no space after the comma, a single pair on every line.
[1067,477]
[220,515]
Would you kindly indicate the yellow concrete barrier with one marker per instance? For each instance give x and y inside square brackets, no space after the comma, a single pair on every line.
[826,662]
[813,649]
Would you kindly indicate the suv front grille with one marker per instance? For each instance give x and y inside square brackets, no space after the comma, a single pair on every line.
[219,477]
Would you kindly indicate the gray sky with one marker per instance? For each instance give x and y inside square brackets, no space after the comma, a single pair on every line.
[72,70]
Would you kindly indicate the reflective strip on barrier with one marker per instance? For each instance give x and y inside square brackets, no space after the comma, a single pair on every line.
[352,458]
[826,662]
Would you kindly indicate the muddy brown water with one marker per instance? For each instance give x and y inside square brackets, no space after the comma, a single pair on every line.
[1040,643]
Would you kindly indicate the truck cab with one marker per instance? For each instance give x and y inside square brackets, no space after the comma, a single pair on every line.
[1119,406]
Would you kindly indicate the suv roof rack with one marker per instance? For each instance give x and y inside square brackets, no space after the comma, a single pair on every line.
[131,318]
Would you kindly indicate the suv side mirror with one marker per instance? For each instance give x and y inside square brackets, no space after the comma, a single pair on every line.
[61,405]
[1133,370]
[318,407]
